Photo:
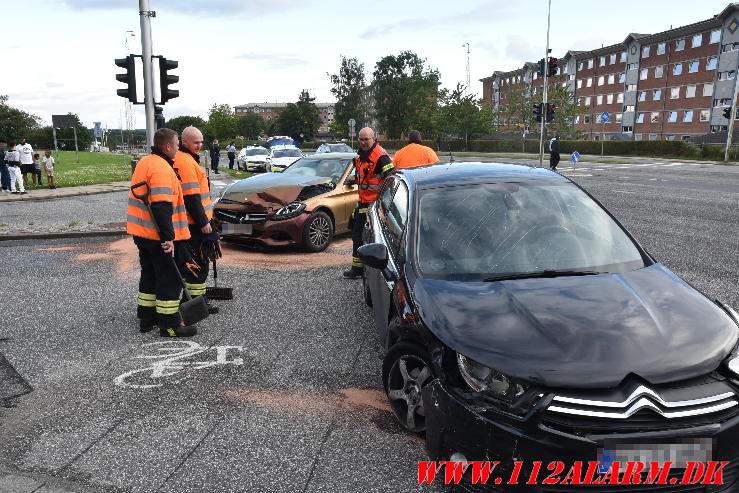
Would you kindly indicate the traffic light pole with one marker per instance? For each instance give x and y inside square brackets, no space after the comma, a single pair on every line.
[544,94]
[730,128]
[145,14]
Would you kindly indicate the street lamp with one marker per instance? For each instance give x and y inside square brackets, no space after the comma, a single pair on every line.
[467,87]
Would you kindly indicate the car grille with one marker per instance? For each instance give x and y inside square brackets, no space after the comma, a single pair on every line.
[240,218]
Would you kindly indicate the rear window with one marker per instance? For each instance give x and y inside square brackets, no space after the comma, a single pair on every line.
[257,152]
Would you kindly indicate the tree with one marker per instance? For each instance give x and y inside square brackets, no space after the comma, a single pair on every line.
[179,123]
[301,117]
[250,125]
[348,87]
[405,91]
[565,112]
[221,122]
[16,124]
[461,115]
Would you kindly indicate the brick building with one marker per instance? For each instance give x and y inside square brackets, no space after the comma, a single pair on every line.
[270,111]
[665,86]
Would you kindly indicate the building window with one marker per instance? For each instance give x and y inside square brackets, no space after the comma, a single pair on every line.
[644,74]
[708,89]
[715,36]
[721,102]
[609,98]
[670,137]
[631,87]
[601,80]
[693,66]
[619,117]
[587,101]
[718,128]
[688,116]
[590,63]
[685,137]
[677,69]
[679,45]
[654,117]
[690,91]
[652,136]
[536,75]
[577,118]
[705,115]
[674,92]
[658,71]
[602,61]
[640,118]
[727,75]
[627,129]
[661,49]
[632,66]
[580,66]
[599,99]
[711,63]
[564,69]
[622,77]
[645,52]
[613,58]
[579,83]
[729,47]
[586,119]
[612,78]
[620,97]
[642,95]
[673,117]
[589,82]
[533,91]
[637,136]
[697,40]
[623,57]
[628,107]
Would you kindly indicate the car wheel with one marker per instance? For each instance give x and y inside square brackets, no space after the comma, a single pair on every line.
[317,232]
[365,289]
[405,372]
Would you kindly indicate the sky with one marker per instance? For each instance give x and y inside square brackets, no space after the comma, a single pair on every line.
[241,51]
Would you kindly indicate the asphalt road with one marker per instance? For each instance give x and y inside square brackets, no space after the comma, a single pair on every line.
[280,390]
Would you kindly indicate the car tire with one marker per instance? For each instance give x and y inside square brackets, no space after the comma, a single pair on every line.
[405,372]
[318,231]
[365,289]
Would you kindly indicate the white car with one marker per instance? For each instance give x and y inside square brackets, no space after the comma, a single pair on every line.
[253,157]
[280,157]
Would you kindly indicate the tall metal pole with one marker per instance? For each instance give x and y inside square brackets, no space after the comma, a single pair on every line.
[145,14]
[545,96]
[467,87]
[731,119]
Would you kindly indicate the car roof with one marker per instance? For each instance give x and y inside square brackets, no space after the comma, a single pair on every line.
[466,173]
[332,155]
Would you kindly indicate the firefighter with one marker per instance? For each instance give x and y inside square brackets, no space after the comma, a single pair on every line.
[160,284]
[415,153]
[370,169]
[203,242]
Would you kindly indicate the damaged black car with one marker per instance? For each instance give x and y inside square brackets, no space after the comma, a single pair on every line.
[522,322]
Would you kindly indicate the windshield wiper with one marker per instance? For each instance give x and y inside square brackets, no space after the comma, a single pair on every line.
[540,274]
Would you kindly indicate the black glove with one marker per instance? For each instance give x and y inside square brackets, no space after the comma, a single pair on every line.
[212,247]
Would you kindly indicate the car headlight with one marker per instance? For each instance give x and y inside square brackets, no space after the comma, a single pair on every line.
[289,211]
[480,378]
[733,364]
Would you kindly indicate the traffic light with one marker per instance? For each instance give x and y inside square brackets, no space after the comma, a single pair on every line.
[165,80]
[159,117]
[537,112]
[129,78]
[550,112]
[727,112]
[541,68]
[552,66]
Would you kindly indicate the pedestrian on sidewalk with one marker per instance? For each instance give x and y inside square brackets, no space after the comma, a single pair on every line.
[215,154]
[37,169]
[49,167]
[13,159]
[554,153]
[231,150]
[25,154]
[4,173]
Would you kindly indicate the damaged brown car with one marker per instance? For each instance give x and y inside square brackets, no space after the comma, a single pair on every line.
[304,205]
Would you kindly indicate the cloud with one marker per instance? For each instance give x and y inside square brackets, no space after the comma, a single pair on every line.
[54,84]
[274,61]
[193,7]
[520,48]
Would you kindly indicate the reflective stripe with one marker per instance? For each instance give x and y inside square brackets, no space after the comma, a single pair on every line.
[179,224]
[141,222]
[160,191]
[147,303]
[370,187]
[362,211]
[356,262]
[178,209]
[190,185]
[138,204]
[167,311]
[147,296]
[168,302]
[387,167]
[208,207]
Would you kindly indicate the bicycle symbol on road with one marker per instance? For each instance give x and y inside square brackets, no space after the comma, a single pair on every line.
[170,361]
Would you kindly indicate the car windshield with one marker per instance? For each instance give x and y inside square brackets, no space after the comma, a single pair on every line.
[489,231]
[325,168]
[257,152]
[339,148]
[286,153]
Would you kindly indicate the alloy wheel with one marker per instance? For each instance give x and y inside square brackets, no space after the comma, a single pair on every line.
[408,375]
[319,231]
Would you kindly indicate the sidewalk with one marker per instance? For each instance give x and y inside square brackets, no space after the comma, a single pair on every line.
[45,193]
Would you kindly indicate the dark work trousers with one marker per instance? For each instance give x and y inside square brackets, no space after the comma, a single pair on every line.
[553,160]
[4,176]
[214,158]
[159,287]
[231,157]
[196,284]
[360,218]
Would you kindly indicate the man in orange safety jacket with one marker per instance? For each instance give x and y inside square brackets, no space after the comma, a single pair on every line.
[415,153]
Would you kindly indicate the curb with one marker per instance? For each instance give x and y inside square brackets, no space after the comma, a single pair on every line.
[19,198]
[70,234]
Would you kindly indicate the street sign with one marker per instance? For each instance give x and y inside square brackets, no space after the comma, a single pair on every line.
[604,117]
[352,122]
[63,121]
[98,130]
[575,157]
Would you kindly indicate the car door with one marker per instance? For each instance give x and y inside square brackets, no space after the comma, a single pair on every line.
[348,197]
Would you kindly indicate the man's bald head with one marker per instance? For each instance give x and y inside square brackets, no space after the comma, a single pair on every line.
[192,139]
[367,138]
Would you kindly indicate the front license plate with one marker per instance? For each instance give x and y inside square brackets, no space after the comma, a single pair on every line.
[679,452]
[236,229]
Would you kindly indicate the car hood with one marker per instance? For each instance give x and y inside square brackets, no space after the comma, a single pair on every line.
[284,161]
[273,189]
[589,331]
[257,158]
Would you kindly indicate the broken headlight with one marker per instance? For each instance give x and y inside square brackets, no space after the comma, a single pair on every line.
[291,210]
[480,378]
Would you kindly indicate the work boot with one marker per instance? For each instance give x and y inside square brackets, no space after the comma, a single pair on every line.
[353,272]
[181,331]
[212,307]
[147,325]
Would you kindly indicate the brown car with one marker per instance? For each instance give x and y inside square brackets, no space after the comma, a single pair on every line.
[304,205]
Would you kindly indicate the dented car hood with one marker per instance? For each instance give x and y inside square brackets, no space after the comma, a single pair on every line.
[273,188]
[590,331]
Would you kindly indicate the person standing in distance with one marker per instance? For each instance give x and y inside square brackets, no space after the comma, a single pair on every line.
[215,155]
[415,153]
[554,153]
[160,284]
[231,150]
[25,152]
[371,167]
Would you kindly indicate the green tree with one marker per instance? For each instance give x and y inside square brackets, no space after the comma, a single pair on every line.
[301,117]
[221,122]
[348,86]
[565,111]
[462,115]
[16,124]
[405,92]
[179,123]
[250,125]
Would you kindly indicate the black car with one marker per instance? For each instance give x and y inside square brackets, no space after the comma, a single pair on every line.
[521,321]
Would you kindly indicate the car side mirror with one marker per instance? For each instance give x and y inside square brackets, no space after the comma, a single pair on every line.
[373,255]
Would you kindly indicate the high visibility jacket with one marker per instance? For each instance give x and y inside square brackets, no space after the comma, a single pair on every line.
[163,186]
[193,182]
[369,175]
[414,155]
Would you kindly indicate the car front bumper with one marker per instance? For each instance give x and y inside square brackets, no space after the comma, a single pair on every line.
[271,233]
[454,426]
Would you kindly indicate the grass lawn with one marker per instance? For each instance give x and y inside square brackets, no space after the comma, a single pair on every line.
[93,168]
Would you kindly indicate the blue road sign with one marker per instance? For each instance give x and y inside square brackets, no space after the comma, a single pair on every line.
[604,117]
[575,157]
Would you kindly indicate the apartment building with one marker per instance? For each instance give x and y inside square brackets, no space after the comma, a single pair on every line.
[664,86]
[270,111]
